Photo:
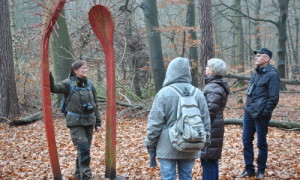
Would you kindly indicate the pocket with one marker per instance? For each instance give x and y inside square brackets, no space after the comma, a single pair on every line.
[260,89]
[77,135]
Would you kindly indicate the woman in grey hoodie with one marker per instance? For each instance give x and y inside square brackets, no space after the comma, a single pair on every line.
[163,115]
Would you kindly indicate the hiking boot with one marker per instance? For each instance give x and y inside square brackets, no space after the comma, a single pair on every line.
[246,174]
[259,176]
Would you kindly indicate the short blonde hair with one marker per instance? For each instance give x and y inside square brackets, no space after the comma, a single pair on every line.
[217,66]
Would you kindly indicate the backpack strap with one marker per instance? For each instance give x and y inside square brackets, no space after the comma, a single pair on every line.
[185,92]
[73,88]
[181,95]
[71,91]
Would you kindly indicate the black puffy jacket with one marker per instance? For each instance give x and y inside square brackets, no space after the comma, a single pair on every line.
[264,96]
[216,91]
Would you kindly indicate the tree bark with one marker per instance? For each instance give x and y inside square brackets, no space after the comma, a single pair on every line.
[238,25]
[256,23]
[282,37]
[154,42]
[193,52]
[207,44]
[61,50]
[9,107]
[27,120]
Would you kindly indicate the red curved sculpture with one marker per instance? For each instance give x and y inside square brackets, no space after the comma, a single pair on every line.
[45,82]
[103,26]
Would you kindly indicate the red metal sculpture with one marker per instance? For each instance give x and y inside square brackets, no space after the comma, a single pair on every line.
[46,96]
[103,26]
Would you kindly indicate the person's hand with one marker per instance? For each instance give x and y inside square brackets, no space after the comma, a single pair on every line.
[97,128]
[266,116]
[51,77]
[152,155]
[208,141]
[51,81]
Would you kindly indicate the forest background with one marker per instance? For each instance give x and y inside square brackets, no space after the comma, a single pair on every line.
[237,28]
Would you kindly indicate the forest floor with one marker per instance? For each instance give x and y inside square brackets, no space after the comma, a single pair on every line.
[24,152]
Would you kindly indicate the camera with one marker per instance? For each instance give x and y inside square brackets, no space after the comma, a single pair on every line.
[88,108]
[250,89]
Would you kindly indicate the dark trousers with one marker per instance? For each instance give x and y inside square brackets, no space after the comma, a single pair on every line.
[210,169]
[260,127]
[82,138]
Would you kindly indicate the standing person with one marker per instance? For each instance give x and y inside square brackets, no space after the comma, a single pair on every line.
[163,115]
[262,98]
[82,114]
[216,90]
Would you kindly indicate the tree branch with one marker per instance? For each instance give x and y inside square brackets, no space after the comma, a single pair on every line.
[247,77]
[252,18]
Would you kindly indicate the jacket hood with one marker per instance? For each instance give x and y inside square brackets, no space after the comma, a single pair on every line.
[178,71]
[219,80]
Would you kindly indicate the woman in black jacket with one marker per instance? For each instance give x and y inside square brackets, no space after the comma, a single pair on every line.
[216,90]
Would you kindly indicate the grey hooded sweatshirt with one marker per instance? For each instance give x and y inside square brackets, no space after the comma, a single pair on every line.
[164,110]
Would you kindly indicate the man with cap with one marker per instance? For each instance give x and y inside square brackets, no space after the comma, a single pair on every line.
[262,98]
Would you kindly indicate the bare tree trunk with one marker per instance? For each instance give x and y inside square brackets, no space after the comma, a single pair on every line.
[13,33]
[240,37]
[193,52]
[256,23]
[154,42]
[282,37]
[292,58]
[207,43]
[61,50]
[295,65]
[9,107]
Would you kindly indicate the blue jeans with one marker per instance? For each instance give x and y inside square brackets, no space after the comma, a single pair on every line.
[210,169]
[260,126]
[168,168]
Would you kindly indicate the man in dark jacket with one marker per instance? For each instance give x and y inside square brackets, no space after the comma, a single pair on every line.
[262,98]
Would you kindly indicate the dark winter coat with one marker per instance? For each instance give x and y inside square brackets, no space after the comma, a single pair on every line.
[77,116]
[215,91]
[263,92]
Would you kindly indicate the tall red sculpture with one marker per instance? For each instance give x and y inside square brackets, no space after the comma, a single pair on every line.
[103,26]
[52,16]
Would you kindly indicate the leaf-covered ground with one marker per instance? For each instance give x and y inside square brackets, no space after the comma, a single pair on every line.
[24,153]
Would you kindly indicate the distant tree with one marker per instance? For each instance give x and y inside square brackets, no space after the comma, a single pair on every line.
[239,48]
[256,23]
[207,44]
[281,25]
[61,50]
[282,37]
[295,44]
[193,52]
[9,107]
[154,42]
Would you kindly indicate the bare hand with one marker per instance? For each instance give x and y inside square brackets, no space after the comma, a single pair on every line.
[97,128]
